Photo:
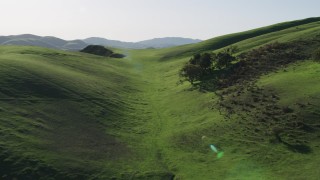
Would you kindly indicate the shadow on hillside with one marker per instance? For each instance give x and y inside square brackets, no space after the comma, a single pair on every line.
[298,148]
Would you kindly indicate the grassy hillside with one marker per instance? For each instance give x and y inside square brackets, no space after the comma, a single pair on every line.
[226,40]
[45,41]
[56,110]
[68,115]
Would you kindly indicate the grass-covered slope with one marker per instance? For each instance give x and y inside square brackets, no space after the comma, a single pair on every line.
[247,132]
[192,120]
[226,40]
[61,113]
[70,115]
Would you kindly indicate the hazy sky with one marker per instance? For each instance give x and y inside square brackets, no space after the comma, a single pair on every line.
[133,20]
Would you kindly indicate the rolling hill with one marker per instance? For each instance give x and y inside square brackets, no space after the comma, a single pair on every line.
[71,115]
[46,41]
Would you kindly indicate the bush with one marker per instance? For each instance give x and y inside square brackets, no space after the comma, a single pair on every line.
[201,66]
[97,50]
[191,72]
[316,55]
[202,60]
[101,51]
[205,61]
[223,60]
[225,57]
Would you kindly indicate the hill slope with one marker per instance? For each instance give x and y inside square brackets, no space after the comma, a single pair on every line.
[46,41]
[55,111]
[78,116]
[229,39]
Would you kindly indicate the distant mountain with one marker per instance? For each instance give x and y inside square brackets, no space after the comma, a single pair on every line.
[152,43]
[112,43]
[29,42]
[75,45]
[25,36]
[54,41]
[167,42]
[46,41]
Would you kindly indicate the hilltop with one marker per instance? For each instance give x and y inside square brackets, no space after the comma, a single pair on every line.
[71,115]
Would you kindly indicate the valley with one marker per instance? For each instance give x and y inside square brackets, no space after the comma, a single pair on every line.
[71,115]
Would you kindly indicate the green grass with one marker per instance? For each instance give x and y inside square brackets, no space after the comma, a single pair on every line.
[251,35]
[69,115]
[61,104]
[297,83]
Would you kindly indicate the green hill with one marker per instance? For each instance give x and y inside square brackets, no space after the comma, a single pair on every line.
[69,115]
[281,29]
[45,41]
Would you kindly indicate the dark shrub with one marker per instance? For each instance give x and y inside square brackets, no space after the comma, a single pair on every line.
[97,50]
[205,61]
[223,60]
[191,72]
[316,55]
[287,110]
[101,51]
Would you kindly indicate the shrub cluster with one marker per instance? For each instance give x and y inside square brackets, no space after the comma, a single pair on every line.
[224,69]
[101,51]
[201,66]
[316,55]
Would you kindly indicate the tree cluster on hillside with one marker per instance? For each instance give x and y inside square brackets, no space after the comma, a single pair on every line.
[200,66]
[224,69]
[101,51]
[256,108]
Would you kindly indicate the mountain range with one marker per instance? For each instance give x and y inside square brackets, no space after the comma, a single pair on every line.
[151,43]
[75,45]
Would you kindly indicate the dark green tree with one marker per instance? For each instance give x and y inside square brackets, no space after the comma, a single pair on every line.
[224,58]
[195,59]
[191,72]
[205,61]
[316,55]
